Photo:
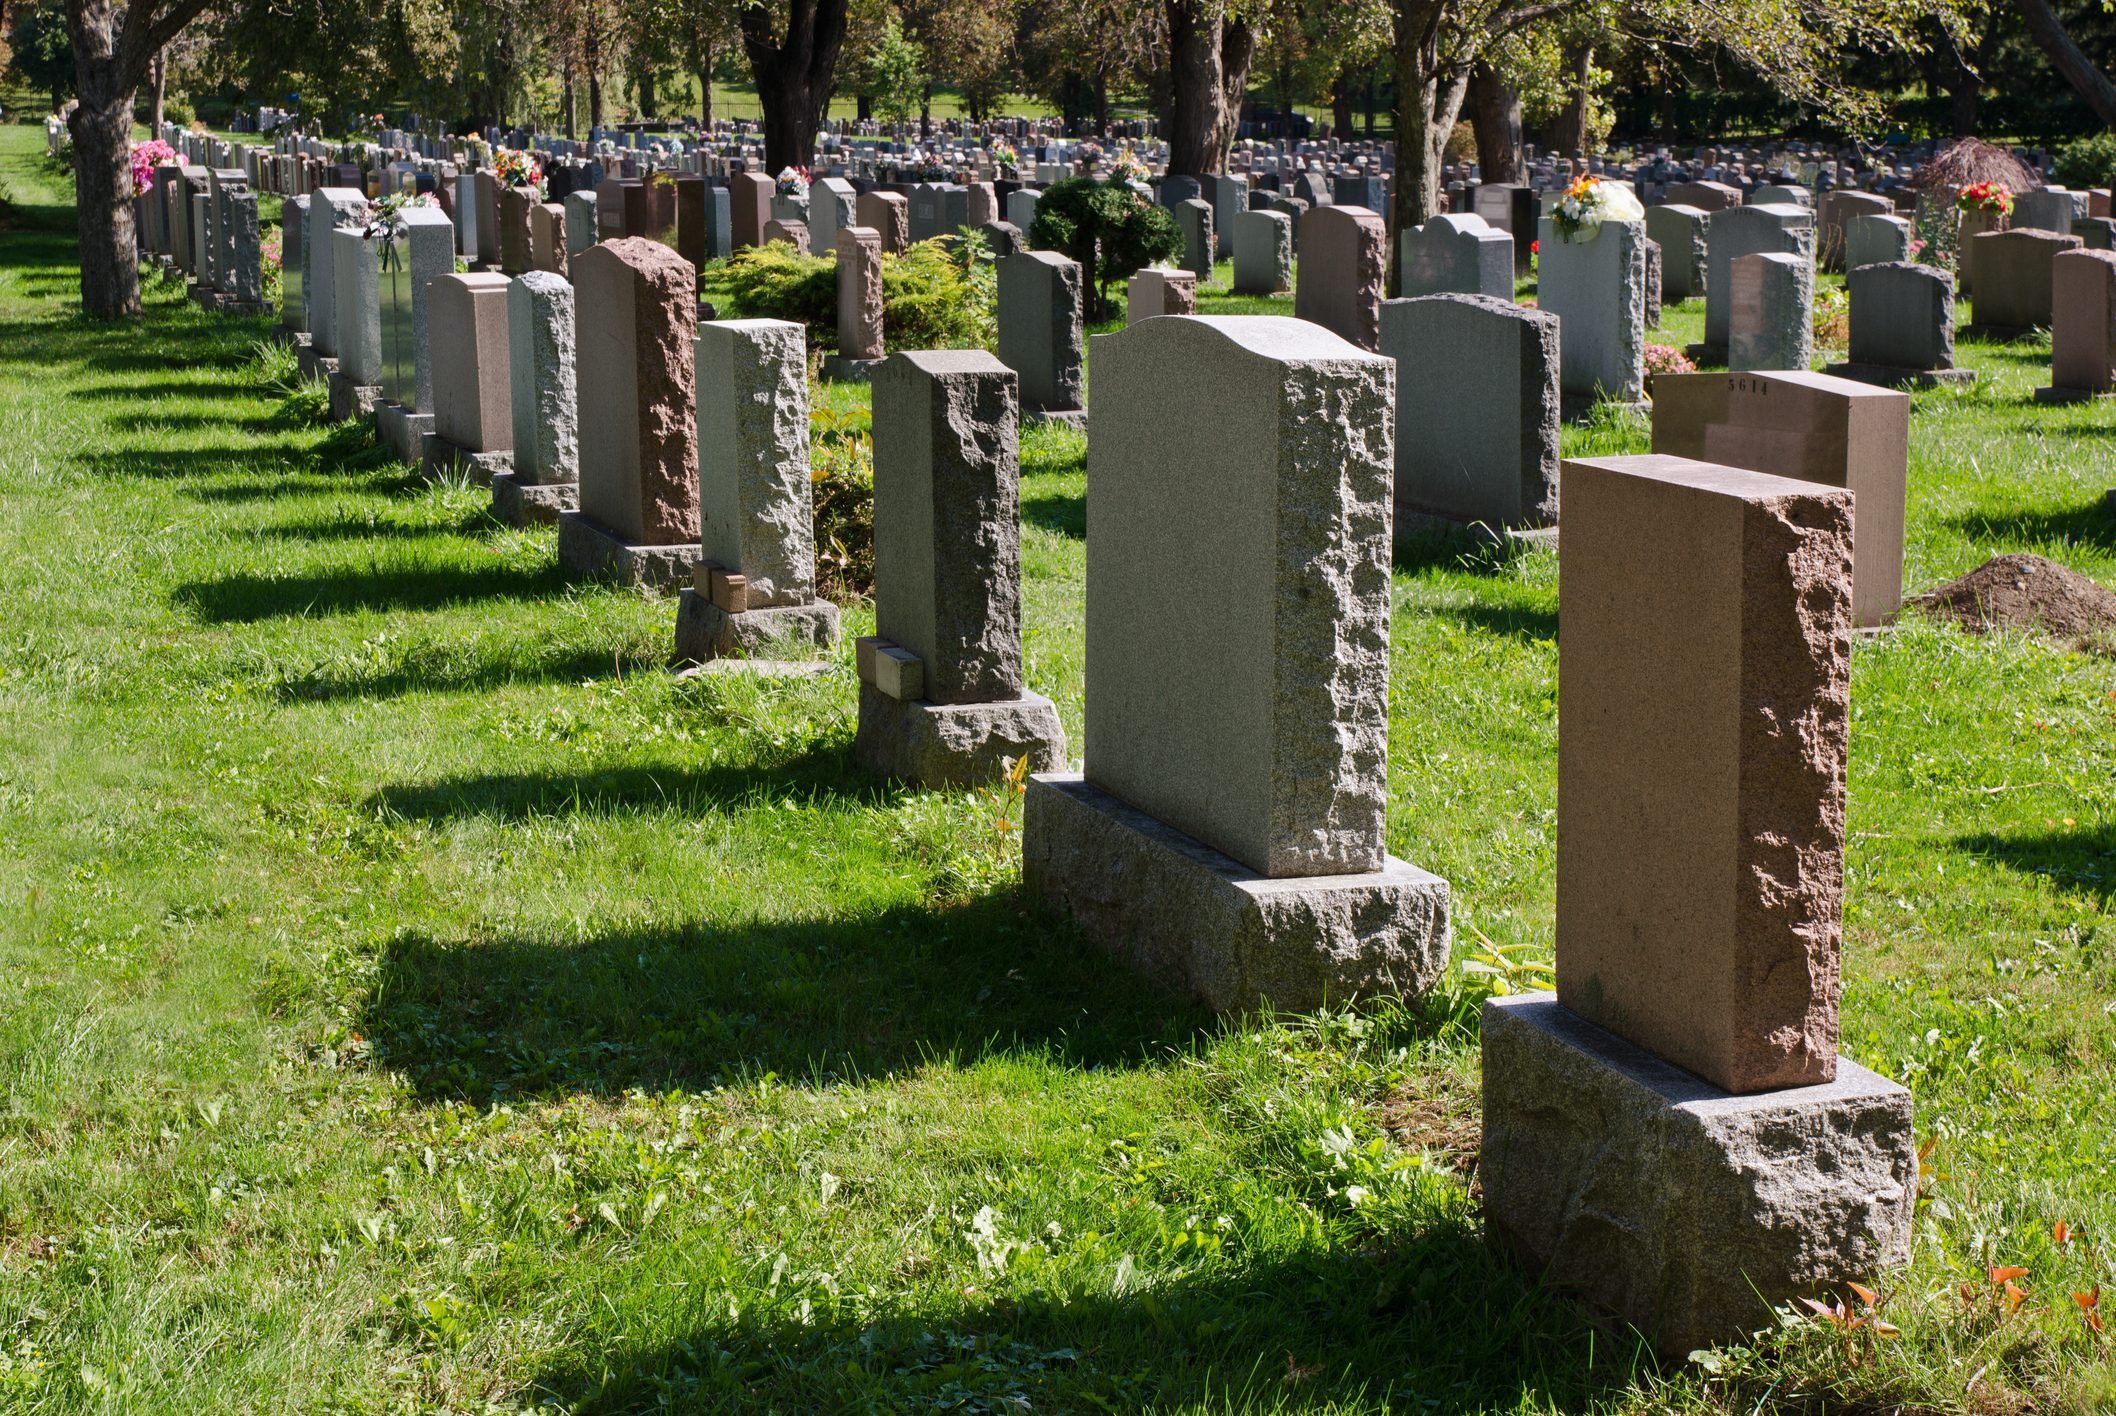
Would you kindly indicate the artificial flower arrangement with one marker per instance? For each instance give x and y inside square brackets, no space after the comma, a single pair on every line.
[382,213]
[1587,203]
[145,158]
[1005,154]
[376,121]
[1126,167]
[514,168]
[793,183]
[1088,154]
[1993,198]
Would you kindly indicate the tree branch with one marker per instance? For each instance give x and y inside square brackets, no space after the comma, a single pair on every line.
[2070,60]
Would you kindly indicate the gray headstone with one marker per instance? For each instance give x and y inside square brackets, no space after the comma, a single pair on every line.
[293,261]
[1873,239]
[356,305]
[1457,255]
[1040,313]
[1902,316]
[755,512]
[581,229]
[1263,253]
[1749,231]
[1194,219]
[1680,233]
[246,273]
[1597,289]
[329,208]
[541,374]
[1771,322]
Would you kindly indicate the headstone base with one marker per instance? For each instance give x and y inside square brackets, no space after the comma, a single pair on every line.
[2070,395]
[1412,523]
[403,432]
[704,631]
[758,668]
[1207,925]
[592,552]
[955,744]
[1882,376]
[1063,417]
[838,369]
[350,400]
[284,333]
[315,365]
[520,503]
[1682,1209]
[443,458]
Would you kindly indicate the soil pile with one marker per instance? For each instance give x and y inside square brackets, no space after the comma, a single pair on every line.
[2028,592]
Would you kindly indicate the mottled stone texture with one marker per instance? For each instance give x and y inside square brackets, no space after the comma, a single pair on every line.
[293,260]
[547,237]
[1707,197]
[515,204]
[467,332]
[356,267]
[947,526]
[1703,714]
[637,322]
[1814,428]
[1597,289]
[428,252]
[2083,336]
[790,232]
[859,251]
[245,273]
[890,214]
[2014,278]
[1263,252]
[1876,239]
[1902,316]
[1344,267]
[755,513]
[581,223]
[1835,214]
[833,205]
[1476,408]
[1211,927]
[955,744]
[329,208]
[540,341]
[1157,291]
[1747,231]
[1680,233]
[1457,254]
[1670,1204]
[1040,313]
[1238,587]
[1194,219]
[1771,316]
[749,207]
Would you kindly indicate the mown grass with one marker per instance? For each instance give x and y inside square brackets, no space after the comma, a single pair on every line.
[413,998]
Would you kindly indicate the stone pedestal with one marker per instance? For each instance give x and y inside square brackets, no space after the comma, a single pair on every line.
[403,431]
[1231,937]
[705,631]
[590,550]
[520,503]
[350,400]
[1684,1210]
[442,458]
[955,744]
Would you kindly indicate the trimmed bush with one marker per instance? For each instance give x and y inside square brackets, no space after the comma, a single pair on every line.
[1107,227]
[928,300]
[2089,162]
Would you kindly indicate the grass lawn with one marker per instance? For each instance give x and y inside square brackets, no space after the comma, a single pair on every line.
[414,999]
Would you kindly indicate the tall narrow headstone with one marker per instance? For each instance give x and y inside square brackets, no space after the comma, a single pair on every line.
[859,252]
[749,207]
[582,228]
[2083,332]
[541,378]
[1771,312]
[1040,313]
[1681,232]
[356,267]
[1194,220]
[473,408]
[1597,289]
[293,265]
[890,214]
[1263,253]
[1227,834]
[1343,271]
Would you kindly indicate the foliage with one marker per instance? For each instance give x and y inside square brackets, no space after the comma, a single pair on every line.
[2088,162]
[841,480]
[929,299]
[39,51]
[1107,227]
[1831,317]
[1667,359]
[776,282]
[1968,163]
[896,76]
[1461,143]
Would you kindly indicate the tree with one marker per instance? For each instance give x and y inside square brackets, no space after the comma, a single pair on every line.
[2070,60]
[39,51]
[1107,227]
[896,76]
[1211,44]
[794,64]
[111,52]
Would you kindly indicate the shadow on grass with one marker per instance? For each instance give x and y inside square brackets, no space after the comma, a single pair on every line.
[338,529]
[1526,622]
[247,598]
[1066,515]
[2082,859]
[1432,1320]
[696,1004]
[332,683]
[2091,525]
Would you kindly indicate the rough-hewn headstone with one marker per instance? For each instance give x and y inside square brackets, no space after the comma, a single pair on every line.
[1040,312]
[1263,253]
[1343,270]
[1597,289]
[1680,230]
[542,380]
[1771,312]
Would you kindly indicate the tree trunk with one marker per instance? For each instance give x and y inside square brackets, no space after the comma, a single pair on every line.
[161,91]
[1237,53]
[1194,100]
[793,74]
[565,95]
[2069,60]
[102,157]
[705,88]
[1341,104]
[1495,112]
[1570,135]
[1101,103]
[1428,101]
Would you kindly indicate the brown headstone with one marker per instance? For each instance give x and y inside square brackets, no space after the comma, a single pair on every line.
[981,203]
[859,292]
[1703,716]
[1159,290]
[1705,196]
[547,237]
[1342,272]
[636,305]
[514,206]
[793,233]
[889,214]
[610,208]
[749,207]
[1813,428]
[2013,274]
[2083,335]
[466,333]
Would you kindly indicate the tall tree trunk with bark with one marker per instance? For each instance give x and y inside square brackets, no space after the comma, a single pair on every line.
[1570,136]
[702,62]
[594,62]
[1428,102]
[565,95]
[1341,104]
[1209,59]
[2070,60]
[1237,54]
[1495,114]
[793,72]
[161,91]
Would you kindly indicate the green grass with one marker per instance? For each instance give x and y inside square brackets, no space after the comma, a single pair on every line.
[413,998]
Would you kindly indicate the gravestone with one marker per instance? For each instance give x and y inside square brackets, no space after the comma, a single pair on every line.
[1902,327]
[2014,280]
[1343,270]
[2083,331]
[1263,253]
[1597,289]
[1513,209]
[473,408]
[1771,312]
[485,199]
[832,204]
[1681,232]
[1746,231]
[791,233]
[582,224]
[636,324]
[1871,239]
[422,246]
[889,214]
[860,340]
[749,207]
[514,206]
[1021,208]
[1194,219]
[542,373]
[245,293]
[1457,255]
[1812,428]
[547,238]
[1157,290]
[2096,233]
[753,592]
[1707,197]
[1226,836]
[1703,721]
[2048,209]
[1477,409]
[1653,282]
[293,266]
[356,322]
[1229,197]
[1972,224]
[329,208]
[942,696]
[1041,307]
[690,219]
[1835,214]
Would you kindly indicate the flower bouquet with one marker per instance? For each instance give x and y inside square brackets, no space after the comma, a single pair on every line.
[1587,203]
[1991,198]
[382,214]
[1127,168]
[514,168]
[792,183]
[1005,155]
[145,158]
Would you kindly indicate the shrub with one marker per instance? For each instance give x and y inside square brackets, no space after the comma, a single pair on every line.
[1110,229]
[928,300]
[1461,143]
[1667,359]
[1832,317]
[841,478]
[2089,162]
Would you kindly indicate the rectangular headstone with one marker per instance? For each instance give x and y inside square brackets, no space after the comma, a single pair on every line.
[755,511]
[1040,312]
[2083,337]
[637,323]
[541,375]
[467,335]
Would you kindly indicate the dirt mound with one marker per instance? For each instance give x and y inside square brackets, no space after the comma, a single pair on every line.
[2028,592]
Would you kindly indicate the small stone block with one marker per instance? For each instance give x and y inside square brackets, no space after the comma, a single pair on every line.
[898,673]
[1683,1209]
[864,650]
[730,591]
[706,633]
